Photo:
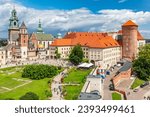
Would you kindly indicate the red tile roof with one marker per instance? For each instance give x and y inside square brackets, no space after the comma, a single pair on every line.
[139,36]
[130,23]
[93,40]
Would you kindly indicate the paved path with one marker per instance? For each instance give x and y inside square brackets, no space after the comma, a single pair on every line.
[107,94]
[54,62]
[56,86]
[140,94]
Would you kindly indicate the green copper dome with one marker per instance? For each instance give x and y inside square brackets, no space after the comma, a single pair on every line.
[39,29]
[14,22]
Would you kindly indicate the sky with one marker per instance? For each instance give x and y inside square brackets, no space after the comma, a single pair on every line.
[61,16]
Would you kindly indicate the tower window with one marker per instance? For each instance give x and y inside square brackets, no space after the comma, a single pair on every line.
[14,23]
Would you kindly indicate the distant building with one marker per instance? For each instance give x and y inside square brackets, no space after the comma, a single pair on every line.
[147,41]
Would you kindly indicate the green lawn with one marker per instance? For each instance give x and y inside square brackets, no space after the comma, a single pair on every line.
[137,83]
[75,76]
[116,96]
[11,78]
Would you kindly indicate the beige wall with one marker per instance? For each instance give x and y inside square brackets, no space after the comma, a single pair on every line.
[104,57]
[45,43]
[2,57]
[111,56]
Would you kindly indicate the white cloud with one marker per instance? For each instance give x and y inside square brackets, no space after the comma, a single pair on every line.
[54,21]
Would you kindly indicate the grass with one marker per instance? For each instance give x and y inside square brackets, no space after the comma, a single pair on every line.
[37,86]
[11,77]
[116,96]
[137,83]
[78,77]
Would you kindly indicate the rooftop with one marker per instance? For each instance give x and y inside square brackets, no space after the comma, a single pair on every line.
[87,39]
[130,23]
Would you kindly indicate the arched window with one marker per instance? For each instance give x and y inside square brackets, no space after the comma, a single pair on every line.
[14,23]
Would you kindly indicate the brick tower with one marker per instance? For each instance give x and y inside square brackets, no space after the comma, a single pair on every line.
[23,40]
[129,41]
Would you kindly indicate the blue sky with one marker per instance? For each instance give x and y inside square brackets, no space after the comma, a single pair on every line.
[61,16]
[93,5]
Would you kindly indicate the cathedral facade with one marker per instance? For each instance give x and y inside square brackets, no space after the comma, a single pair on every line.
[23,46]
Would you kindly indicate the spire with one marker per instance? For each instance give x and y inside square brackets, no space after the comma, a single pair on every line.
[39,29]
[14,22]
[23,26]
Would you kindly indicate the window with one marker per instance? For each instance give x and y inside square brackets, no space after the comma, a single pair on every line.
[24,53]
[14,23]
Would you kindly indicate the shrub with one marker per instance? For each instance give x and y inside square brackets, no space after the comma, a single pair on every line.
[29,96]
[39,71]
[48,93]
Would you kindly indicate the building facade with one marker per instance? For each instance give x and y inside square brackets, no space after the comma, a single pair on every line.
[105,49]
[23,46]
[98,47]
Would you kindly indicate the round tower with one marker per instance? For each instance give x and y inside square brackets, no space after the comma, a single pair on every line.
[129,41]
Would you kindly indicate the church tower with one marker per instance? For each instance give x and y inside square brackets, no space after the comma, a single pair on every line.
[129,42]
[23,40]
[13,28]
[39,29]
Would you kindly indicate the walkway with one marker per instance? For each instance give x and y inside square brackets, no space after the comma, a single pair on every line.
[56,86]
[107,94]
[140,94]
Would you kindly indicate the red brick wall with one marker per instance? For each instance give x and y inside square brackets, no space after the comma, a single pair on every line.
[129,42]
[121,76]
[34,41]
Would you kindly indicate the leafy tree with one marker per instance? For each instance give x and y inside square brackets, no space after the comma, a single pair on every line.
[29,96]
[39,71]
[142,64]
[76,55]
[57,54]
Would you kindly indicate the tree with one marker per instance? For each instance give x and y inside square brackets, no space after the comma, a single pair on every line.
[29,96]
[57,54]
[41,71]
[142,64]
[76,55]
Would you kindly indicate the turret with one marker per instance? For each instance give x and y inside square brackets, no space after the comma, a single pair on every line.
[39,29]
[129,41]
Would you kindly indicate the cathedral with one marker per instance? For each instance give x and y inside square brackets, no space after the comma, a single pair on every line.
[23,46]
